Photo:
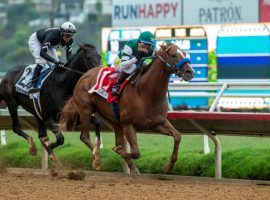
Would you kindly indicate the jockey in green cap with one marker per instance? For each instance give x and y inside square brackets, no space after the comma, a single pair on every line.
[132,56]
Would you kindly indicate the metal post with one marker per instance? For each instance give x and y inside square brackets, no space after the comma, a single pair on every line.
[3,138]
[218,170]
[44,159]
[212,109]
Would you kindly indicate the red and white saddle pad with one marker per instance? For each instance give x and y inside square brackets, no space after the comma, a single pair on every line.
[106,79]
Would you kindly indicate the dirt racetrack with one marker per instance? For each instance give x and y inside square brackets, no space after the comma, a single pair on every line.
[95,186]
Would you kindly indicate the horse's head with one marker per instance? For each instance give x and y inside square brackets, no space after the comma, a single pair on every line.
[86,57]
[175,60]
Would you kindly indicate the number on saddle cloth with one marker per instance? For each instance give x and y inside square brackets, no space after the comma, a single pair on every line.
[25,81]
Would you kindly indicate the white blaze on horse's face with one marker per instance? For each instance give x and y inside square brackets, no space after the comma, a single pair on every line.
[185,71]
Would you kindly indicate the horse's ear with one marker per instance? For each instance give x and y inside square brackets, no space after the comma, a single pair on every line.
[162,46]
[83,47]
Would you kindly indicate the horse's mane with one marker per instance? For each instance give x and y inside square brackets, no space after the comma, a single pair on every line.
[137,76]
[87,45]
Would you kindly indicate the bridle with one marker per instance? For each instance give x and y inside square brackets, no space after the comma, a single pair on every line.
[172,67]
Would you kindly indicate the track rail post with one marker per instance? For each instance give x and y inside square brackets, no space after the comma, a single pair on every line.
[218,170]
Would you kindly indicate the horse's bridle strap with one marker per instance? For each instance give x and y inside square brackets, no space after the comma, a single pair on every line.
[181,63]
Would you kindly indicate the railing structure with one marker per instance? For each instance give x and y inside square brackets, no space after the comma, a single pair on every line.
[208,123]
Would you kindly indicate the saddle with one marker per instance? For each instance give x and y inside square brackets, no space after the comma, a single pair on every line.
[106,79]
[24,84]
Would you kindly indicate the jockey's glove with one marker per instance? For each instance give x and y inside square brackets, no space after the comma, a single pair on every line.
[59,64]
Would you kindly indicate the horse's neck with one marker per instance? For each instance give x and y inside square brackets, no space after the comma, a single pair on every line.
[71,76]
[155,81]
[67,79]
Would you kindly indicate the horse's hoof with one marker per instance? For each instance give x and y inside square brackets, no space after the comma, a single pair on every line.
[135,172]
[56,163]
[33,151]
[168,169]
[32,147]
[54,172]
[96,164]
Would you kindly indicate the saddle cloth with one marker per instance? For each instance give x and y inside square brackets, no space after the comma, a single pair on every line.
[106,79]
[24,84]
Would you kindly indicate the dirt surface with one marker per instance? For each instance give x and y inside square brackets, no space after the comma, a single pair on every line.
[117,187]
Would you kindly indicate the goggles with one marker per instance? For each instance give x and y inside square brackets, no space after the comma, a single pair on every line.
[67,35]
[144,46]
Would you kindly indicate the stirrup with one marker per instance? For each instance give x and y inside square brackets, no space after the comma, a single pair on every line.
[114,92]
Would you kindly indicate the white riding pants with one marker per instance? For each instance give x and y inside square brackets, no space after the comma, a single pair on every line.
[35,47]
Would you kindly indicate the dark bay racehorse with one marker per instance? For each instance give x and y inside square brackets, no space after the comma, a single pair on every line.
[141,108]
[56,88]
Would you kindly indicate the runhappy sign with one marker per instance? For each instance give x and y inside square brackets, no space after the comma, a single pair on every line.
[146,13]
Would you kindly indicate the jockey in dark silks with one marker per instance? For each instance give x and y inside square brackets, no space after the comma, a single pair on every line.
[132,56]
[43,44]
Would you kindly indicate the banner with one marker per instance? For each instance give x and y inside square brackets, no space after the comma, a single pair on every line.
[220,11]
[264,10]
[146,13]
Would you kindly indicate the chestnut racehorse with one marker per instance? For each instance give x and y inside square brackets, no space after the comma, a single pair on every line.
[141,108]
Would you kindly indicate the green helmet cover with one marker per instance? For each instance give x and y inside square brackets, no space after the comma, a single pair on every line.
[147,37]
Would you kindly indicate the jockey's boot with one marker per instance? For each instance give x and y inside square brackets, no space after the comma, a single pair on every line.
[35,79]
[116,87]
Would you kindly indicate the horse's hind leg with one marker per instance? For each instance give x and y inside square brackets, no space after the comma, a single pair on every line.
[96,150]
[85,117]
[168,129]
[120,144]
[17,128]
[42,134]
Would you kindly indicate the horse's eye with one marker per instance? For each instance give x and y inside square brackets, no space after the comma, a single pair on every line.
[174,55]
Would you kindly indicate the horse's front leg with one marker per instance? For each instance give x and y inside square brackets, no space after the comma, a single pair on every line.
[167,129]
[52,125]
[131,137]
[42,134]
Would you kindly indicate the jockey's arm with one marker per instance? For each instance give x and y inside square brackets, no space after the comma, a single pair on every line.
[69,50]
[43,53]
[127,58]
[127,63]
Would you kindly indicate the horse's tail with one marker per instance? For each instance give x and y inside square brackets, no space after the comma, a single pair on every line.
[69,116]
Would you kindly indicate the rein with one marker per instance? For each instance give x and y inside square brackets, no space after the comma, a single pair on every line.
[74,70]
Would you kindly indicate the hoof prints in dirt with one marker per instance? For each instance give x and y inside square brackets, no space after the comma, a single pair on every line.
[71,175]
[2,168]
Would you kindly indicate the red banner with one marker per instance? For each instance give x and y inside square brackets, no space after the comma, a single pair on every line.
[264,10]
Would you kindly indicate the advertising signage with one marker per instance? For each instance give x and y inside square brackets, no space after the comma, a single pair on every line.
[130,13]
[264,10]
[149,13]
[220,11]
